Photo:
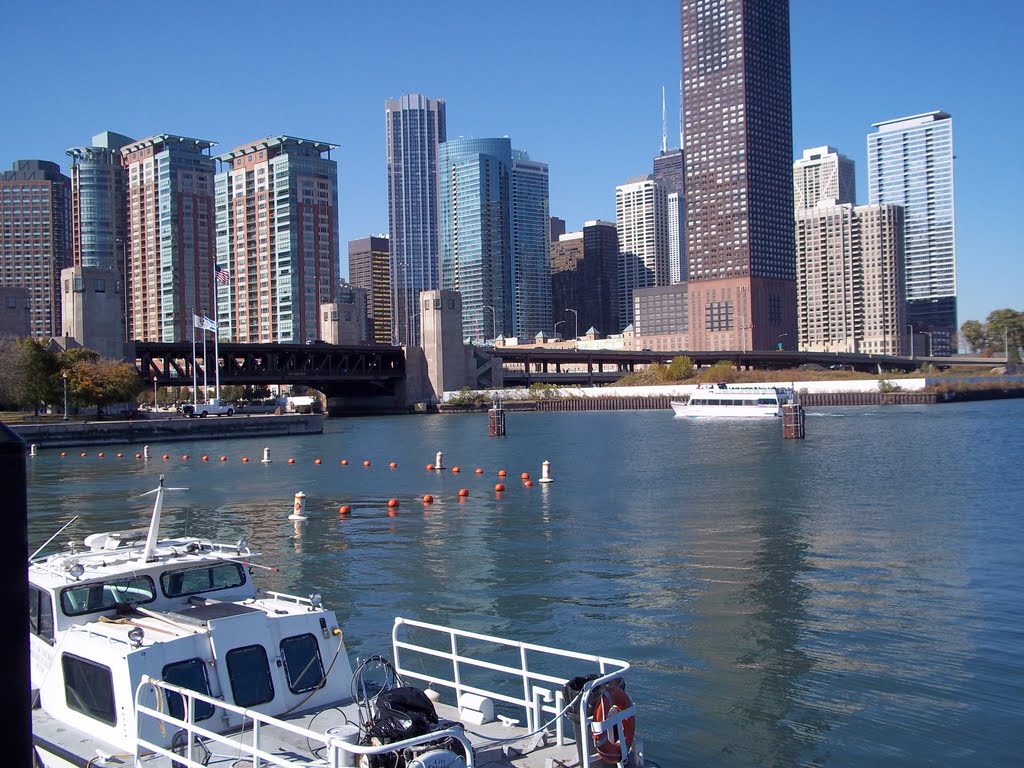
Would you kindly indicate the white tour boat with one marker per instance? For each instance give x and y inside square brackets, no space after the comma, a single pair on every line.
[734,402]
[163,652]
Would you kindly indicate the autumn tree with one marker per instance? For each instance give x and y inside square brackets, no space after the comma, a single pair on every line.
[29,374]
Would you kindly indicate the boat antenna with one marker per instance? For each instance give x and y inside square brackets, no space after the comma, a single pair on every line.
[154,523]
[58,533]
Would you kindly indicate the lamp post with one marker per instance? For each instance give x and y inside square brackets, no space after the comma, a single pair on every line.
[64,376]
[780,343]
[560,322]
[910,332]
[494,322]
[154,394]
[576,324]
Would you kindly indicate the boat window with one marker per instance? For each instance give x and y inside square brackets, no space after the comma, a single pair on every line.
[40,613]
[189,674]
[302,663]
[104,595]
[89,688]
[249,673]
[765,401]
[192,581]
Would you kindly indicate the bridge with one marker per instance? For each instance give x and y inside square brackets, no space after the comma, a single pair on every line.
[363,378]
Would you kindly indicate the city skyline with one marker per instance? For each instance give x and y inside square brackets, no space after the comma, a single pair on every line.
[556,105]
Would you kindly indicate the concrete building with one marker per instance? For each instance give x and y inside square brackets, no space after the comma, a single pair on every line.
[443,342]
[669,173]
[369,268]
[92,307]
[823,174]
[910,163]
[344,321]
[415,126]
[850,279]
[584,277]
[661,317]
[531,246]
[35,238]
[676,259]
[277,239]
[475,186]
[15,312]
[641,217]
[170,235]
[737,144]
[557,228]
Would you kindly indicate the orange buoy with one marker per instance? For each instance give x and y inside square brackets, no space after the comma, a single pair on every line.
[120,455]
[393,464]
[612,700]
[430,467]
[366,463]
[245,459]
[525,475]
[63,453]
[100,454]
[206,457]
[223,458]
[428,499]
[138,455]
[499,487]
[184,457]
[502,473]
[345,509]
[83,454]
[463,492]
[166,456]
[317,461]
[392,502]
[528,483]
[479,471]
[291,461]
[456,470]
[344,462]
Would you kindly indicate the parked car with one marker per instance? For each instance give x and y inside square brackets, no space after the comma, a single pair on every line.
[214,407]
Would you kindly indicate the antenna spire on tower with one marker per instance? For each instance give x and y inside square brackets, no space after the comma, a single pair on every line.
[664,128]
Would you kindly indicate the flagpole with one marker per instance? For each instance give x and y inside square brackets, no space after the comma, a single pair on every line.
[216,357]
[206,364]
[195,381]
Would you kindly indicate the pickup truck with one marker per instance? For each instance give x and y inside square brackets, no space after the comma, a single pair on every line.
[214,407]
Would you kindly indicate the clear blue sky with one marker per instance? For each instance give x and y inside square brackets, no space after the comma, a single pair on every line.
[577,83]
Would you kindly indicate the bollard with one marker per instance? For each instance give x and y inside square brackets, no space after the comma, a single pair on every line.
[266,456]
[145,451]
[299,512]
[545,472]
[32,450]
[439,461]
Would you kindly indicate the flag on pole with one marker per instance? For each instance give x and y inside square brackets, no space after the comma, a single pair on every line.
[197,321]
[221,275]
[209,325]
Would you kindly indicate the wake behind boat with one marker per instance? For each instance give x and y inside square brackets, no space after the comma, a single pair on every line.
[164,652]
[734,402]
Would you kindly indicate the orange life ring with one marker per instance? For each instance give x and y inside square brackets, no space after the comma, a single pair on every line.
[611,700]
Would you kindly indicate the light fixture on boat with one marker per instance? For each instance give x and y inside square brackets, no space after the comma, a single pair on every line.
[317,601]
[75,569]
[243,544]
[135,635]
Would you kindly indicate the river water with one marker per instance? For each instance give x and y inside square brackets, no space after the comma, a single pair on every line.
[851,599]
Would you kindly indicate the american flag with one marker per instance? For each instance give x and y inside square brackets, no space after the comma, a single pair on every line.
[221,275]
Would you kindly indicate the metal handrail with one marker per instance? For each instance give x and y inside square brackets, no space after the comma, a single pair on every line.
[248,743]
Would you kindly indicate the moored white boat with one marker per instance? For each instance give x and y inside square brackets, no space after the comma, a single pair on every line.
[164,652]
[734,402]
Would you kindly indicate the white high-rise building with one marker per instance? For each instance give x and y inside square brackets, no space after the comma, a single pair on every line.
[910,163]
[641,219]
[823,174]
[676,268]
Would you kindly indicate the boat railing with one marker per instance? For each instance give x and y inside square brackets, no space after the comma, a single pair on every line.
[249,742]
[284,597]
[542,693]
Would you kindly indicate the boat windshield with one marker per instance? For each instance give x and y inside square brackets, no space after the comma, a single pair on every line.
[104,595]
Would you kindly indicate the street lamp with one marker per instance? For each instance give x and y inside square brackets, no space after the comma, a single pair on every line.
[780,340]
[154,394]
[560,322]
[494,322]
[64,375]
[576,323]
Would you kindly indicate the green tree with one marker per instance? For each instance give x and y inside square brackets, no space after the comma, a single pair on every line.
[680,368]
[975,335]
[30,374]
[723,371]
[1005,331]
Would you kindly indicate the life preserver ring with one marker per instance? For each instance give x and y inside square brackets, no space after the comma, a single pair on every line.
[610,701]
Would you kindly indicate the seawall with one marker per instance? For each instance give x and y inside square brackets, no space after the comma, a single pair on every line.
[59,434]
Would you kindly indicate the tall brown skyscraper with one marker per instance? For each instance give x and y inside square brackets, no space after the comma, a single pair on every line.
[738,145]
[369,267]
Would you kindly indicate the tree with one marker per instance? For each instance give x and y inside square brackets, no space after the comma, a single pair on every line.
[1005,330]
[680,368]
[975,335]
[723,371]
[30,374]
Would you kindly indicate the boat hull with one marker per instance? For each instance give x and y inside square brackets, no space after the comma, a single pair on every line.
[723,412]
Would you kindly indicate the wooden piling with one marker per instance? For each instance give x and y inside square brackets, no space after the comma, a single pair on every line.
[496,421]
[793,421]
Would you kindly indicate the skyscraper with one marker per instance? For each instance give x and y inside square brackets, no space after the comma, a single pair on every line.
[35,238]
[641,217]
[170,234]
[277,241]
[531,246]
[414,127]
[584,277]
[737,144]
[476,232]
[669,173]
[369,267]
[910,163]
[823,174]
